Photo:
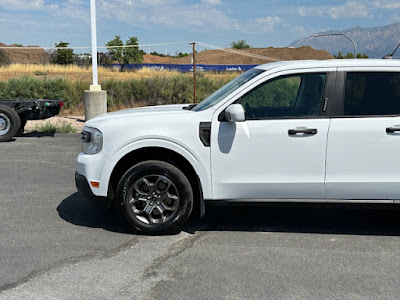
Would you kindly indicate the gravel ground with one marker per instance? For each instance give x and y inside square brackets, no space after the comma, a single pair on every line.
[76,121]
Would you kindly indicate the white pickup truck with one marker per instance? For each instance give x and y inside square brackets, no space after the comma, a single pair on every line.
[298,131]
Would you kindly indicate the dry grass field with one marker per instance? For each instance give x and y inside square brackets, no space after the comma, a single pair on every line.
[75,73]
[125,89]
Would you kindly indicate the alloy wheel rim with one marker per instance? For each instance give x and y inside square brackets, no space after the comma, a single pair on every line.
[154,199]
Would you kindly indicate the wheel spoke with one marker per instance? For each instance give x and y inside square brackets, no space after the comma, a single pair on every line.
[171,203]
[139,198]
[143,186]
[148,209]
[159,218]
[138,204]
[161,208]
[162,184]
[172,197]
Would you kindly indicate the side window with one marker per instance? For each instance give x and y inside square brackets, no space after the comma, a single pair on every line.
[297,95]
[372,94]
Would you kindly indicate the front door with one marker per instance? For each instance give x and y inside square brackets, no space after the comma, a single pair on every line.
[279,151]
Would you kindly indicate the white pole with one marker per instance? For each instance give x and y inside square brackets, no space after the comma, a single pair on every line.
[95,85]
[95,99]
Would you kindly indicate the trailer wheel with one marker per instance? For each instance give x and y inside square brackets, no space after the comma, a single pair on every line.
[9,123]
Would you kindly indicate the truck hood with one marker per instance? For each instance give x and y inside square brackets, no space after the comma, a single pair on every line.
[138,112]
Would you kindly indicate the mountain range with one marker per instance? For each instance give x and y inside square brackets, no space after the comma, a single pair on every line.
[376,42]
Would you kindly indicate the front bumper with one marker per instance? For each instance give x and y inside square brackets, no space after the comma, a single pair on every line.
[82,185]
[92,168]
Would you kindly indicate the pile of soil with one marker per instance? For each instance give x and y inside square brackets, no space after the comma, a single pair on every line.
[221,57]
[26,56]
[76,122]
[209,57]
[155,59]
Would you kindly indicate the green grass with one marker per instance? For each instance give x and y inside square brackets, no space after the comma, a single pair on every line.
[51,128]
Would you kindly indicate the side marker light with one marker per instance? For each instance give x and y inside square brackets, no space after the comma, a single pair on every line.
[95,184]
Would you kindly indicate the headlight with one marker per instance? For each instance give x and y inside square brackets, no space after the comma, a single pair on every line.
[92,140]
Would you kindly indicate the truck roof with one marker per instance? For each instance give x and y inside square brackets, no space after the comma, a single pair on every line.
[301,64]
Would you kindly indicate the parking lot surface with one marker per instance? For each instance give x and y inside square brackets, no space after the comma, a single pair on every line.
[54,244]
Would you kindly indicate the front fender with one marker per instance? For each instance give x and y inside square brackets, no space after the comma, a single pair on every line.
[199,161]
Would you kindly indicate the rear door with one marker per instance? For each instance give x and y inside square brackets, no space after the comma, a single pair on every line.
[363,153]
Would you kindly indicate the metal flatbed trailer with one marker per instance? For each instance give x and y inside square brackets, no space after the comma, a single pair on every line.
[15,113]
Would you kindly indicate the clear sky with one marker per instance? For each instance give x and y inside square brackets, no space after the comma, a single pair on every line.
[262,23]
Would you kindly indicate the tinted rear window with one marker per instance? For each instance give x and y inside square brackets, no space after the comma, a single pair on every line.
[372,94]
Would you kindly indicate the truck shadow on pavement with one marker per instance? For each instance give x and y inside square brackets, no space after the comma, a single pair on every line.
[80,211]
[348,219]
[35,134]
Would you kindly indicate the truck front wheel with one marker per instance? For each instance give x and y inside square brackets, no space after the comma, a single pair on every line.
[155,197]
[9,123]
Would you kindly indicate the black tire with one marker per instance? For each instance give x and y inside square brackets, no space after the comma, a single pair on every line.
[9,123]
[155,197]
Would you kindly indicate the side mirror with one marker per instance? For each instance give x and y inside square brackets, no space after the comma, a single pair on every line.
[235,113]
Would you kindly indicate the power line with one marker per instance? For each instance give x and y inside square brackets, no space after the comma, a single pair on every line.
[152,45]
[98,47]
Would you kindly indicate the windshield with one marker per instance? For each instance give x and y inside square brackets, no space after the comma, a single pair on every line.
[227,89]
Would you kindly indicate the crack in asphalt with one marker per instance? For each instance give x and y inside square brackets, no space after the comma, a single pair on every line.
[121,248]
[57,265]
[174,250]
[71,261]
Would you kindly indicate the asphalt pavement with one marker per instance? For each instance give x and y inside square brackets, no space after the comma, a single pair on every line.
[55,244]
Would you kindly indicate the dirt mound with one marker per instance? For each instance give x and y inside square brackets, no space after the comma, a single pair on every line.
[221,57]
[155,59]
[26,56]
[209,57]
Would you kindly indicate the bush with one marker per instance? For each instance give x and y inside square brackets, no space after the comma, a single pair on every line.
[240,45]
[158,90]
[32,88]
[4,58]
[63,56]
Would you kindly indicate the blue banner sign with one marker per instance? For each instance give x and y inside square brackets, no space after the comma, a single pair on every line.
[186,68]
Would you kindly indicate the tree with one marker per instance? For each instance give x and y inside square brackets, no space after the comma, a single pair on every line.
[359,55]
[4,58]
[180,54]
[349,55]
[63,56]
[240,45]
[124,55]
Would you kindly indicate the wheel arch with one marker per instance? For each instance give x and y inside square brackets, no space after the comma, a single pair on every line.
[162,154]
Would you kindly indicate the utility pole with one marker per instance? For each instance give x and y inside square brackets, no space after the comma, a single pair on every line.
[194,71]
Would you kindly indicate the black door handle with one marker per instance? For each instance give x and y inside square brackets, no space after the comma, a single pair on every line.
[392,129]
[304,131]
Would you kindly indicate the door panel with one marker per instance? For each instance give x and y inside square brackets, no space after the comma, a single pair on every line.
[260,160]
[363,160]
